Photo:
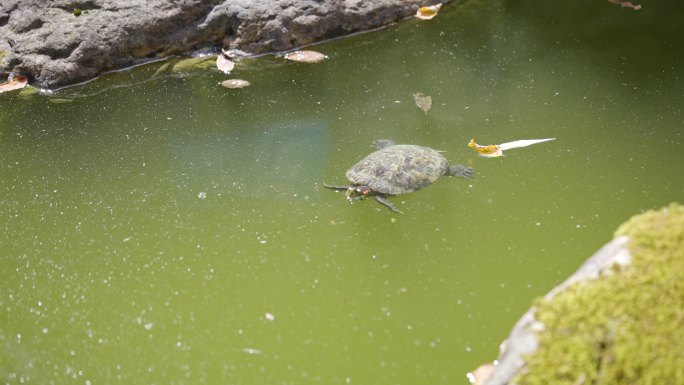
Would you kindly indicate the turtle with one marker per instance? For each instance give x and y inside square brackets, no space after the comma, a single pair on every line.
[395,169]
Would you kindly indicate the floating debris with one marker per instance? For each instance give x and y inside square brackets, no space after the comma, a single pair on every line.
[235,83]
[626,4]
[224,63]
[424,102]
[305,56]
[494,150]
[16,83]
[60,100]
[427,13]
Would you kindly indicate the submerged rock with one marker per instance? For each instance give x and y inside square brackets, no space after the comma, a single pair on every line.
[46,41]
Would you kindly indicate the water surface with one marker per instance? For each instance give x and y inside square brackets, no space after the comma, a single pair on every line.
[159,229]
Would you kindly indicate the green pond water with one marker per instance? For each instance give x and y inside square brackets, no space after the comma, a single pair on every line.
[160,229]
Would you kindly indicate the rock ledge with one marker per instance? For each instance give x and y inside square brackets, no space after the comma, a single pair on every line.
[56,43]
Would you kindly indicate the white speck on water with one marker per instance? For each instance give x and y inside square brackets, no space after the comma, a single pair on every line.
[201,195]
[127,239]
[148,326]
[269,317]
[471,377]
[347,380]
[45,330]
[468,349]
[538,223]
[251,351]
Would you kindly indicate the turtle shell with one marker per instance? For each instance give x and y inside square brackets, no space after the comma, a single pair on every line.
[399,169]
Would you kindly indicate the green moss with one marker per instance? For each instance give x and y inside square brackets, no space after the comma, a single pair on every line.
[186,65]
[627,327]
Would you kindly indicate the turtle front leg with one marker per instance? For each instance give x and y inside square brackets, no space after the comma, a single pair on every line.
[334,187]
[384,201]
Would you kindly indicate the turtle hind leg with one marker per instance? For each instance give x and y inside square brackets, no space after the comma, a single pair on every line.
[334,187]
[460,171]
[385,202]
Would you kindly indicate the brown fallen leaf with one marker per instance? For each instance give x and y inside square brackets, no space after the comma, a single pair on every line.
[224,63]
[626,4]
[305,56]
[16,83]
[427,13]
[235,83]
[424,102]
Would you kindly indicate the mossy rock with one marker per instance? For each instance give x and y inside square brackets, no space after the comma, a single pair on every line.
[626,327]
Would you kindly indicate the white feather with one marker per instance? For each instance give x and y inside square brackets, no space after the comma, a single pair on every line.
[521,143]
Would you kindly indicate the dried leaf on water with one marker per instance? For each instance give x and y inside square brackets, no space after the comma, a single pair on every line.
[16,83]
[626,4]
[224,64]
[305,56]
[424,102]
[488,151]
[235,83]
[427,13]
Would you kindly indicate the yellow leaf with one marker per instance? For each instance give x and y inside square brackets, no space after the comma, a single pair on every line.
[427,13]
[16,83]
[235,83]
[305,56]
[489,151]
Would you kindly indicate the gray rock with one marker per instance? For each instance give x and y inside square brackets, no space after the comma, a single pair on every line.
[523,338]
[46,41]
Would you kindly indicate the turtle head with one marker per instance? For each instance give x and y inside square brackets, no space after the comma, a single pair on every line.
[358,192]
